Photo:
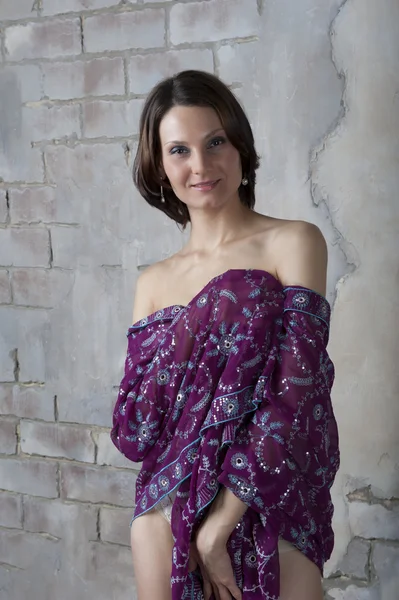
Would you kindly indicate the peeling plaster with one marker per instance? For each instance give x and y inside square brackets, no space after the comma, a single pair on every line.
[319,196]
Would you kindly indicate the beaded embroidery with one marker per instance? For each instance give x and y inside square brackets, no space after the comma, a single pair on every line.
[234,390]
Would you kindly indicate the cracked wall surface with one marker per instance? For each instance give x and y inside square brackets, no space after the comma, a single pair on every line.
[319,81]
[357,175]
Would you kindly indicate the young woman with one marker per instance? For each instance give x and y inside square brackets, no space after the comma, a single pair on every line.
[226,393]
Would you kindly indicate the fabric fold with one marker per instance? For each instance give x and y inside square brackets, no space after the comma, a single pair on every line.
[234,390]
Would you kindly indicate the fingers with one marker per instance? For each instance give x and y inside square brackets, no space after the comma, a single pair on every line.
[207,589]
[224,593]
[207,586]
[221,592]
[235,592]
[217,574]
[216,592]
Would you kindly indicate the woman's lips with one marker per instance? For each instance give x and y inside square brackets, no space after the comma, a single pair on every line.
[206,186]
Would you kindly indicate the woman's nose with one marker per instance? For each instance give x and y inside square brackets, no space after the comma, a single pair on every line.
[199,162]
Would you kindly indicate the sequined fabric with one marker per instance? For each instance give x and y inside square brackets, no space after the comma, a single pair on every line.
[234,390]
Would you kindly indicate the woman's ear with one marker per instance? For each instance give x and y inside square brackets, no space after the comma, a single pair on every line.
[163,180]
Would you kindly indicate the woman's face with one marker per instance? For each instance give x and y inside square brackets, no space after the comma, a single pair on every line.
[202,166]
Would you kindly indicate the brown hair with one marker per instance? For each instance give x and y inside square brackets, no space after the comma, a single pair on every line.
[190,88]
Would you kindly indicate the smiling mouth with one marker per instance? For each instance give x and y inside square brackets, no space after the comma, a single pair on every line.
[205,186]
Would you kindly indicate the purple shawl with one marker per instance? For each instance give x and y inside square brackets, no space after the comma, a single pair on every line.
[234,390]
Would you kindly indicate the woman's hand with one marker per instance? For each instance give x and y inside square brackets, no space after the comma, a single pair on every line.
[210,551]
[216,569]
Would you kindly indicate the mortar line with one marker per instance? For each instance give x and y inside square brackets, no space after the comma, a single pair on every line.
[23,511]
[8,210]
[18,438]
[64,16]
[82,34]
[98,525]
[50,246]
[55,409]
[120,53]
[126,79]
[45,178]
[81,121]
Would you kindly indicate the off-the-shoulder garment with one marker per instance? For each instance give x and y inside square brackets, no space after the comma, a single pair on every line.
[234,390]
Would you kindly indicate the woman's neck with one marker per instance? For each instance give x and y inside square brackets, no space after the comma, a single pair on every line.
[211,229]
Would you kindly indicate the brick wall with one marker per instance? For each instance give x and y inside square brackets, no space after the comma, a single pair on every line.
[73,80]
[74,235]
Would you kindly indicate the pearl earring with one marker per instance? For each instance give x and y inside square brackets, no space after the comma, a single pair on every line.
[244,181]
[162,196]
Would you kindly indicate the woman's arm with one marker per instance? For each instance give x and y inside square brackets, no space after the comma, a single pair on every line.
[225,513]
[143,303]
[302,256]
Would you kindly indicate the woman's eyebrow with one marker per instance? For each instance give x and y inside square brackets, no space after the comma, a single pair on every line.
[208,135]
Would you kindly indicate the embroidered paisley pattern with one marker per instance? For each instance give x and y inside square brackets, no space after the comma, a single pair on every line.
[234,390]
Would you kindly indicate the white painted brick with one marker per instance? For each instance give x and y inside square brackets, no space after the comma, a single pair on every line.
[237,63]
[55,7]
[385,562]
[51,122]
[101,556]
[115,525]
[122,31]
[24,247]
[213,20]
[29,331]
[91,166]
[97,484]
[96,77]
[45,288]
[27,79]
[21,549]
[16,9]
[111,119]
[147,70]
[55,517]
[94,409]
[20,162]
[32,204]
[29,401]
[100,173]
[10,510]
[8,436]
[66,244]
[57,441]
[109,455]
[374,521]
[34,477]
[5,287]
[43,39]
[355,561]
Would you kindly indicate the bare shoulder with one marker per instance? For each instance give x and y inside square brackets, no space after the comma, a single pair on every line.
[148,288]
[302,252]
[299,232]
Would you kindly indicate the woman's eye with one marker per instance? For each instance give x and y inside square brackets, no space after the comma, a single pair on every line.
[217,142]
[178,150]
